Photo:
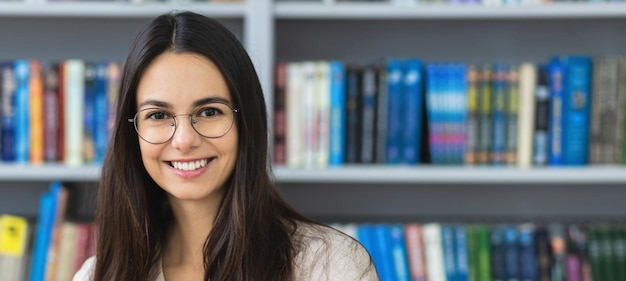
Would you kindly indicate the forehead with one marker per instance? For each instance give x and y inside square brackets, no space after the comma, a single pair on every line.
[180,79]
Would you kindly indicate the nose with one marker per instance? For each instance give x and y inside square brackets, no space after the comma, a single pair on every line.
[185,136]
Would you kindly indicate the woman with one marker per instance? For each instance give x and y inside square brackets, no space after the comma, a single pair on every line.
[185,192]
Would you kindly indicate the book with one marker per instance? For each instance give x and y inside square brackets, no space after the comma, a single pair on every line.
[395,115]
[398,251]
[21,107]
[36,113]
[8,112]
[100,111]
[46,219]
[434,252]
[74,103]
[485,128]
[321,114]
[51,106]
[354,107]
[415,251]
[528,254]
[471,132]
[576,109]
[294,116]
[512,115]
[382,112]
[280,139]
[369,97]
[337,114]
[541,141]
[499,115]
[556,74]
[14,233]
[526,114]
[412,96]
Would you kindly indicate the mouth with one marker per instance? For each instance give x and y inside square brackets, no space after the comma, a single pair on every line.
[190,165]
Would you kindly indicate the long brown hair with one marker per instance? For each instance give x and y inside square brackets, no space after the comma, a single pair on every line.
[250,239]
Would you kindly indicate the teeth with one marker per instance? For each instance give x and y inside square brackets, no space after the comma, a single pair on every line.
[190,166]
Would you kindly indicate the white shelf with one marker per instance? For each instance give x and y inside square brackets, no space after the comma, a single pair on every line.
[364,174]
[386,11]
[452,175]
[48,172]
[117,9]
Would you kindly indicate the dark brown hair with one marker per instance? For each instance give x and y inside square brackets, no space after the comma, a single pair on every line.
[250,239]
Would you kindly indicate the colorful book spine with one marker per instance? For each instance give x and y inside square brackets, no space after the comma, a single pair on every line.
[353,114]
[499,115]
[337,113]
[321,113]
[556,77]
[458,112]
[541,140]
[471,132]
[527,253]
[485,130]
[381,115]
[280,138]
[101,112]
[8,112]
[51,113]
[412,109]
[415,251]
[294,116]
[399,252]
[36,113]
[512,115]
[576,110]
[369,83]
[394,111]
[526,114]
[22,106]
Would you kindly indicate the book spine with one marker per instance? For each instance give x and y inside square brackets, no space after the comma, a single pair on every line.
[557,92]
[434,252]
[22,122]
[280,138]
[368,114]
[528,254]
[394,111]
[353,114]
[294,116]
[51,112]
[512,112]
[8,112]
[381,115]
[541,140]
[412,104]
[399,253]
[499,117]
[74,100]
[36,110]
[415,251]
[458,112]
[471,137]
[321,115]
[485,112]
[577,110]
[526,114]
[337,113]
[101,112]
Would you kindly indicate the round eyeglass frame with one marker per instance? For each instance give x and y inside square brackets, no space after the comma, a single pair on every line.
[175,124]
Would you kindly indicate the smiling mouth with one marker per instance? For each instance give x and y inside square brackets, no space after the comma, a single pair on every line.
[191,165]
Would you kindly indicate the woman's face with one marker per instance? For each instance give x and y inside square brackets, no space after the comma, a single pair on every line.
[188,166]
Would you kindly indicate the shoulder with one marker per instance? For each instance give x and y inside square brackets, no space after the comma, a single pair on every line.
[324,253]
[85,273]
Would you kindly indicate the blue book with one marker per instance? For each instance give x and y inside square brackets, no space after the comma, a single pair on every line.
[395,115]
[458,112]
[399,252]
[448,248]
[8,112]
[101,111]
[22,97]
[528,254]
[434,90]
[498,253]
[576,110]
[462,253]
[43,232]
[89,114]
[366,234]
[384,258]
[555,76]
[498,115]
[337,113]
[412,108]
[511,250]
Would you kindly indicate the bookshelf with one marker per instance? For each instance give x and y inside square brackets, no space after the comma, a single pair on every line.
[359,32]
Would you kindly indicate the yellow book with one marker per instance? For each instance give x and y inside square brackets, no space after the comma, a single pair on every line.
[13,241]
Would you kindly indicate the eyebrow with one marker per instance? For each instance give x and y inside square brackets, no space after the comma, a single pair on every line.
[197,103]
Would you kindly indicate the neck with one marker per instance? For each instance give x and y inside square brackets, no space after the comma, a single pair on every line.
[193,224]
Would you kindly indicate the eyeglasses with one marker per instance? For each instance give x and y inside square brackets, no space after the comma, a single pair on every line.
[156,126]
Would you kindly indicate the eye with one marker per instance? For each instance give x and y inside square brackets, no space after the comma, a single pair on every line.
[209,112]
[155,115]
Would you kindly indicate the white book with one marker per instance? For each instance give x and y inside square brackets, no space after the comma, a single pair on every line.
[526,114]
[322,114]
[74,99]
[307,110]
[295,134]
[434,253]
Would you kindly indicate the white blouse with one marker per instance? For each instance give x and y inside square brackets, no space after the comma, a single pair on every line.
[323,254]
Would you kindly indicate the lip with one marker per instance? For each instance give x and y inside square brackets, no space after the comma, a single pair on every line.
[189,174]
